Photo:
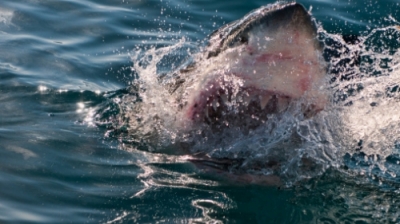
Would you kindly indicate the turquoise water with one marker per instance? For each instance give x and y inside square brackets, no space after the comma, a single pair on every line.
[60,61]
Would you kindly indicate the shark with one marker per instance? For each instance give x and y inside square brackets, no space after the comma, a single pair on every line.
[260,66]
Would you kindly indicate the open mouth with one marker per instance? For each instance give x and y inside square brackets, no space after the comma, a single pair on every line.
[222,106]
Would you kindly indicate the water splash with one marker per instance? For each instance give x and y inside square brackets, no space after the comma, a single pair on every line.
[365,79]
[361,119]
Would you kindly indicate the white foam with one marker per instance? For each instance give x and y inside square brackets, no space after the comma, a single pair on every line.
[6,16]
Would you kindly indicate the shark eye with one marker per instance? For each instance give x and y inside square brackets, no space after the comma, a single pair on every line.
[239,40]
[243,39]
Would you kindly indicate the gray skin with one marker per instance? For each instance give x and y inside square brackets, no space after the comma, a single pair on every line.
[289,16]
[252,68]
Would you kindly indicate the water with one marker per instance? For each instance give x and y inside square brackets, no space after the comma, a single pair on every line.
[62,62]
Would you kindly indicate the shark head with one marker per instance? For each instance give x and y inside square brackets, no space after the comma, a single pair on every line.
[255,67]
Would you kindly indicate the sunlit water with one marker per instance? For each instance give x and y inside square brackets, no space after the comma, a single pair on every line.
[70,151]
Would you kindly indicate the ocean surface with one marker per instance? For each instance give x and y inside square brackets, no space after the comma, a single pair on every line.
[66,156]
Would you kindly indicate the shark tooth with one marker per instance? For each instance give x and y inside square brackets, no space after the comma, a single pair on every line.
[264,99]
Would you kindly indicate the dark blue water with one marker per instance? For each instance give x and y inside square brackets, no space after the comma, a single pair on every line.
[60,61]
